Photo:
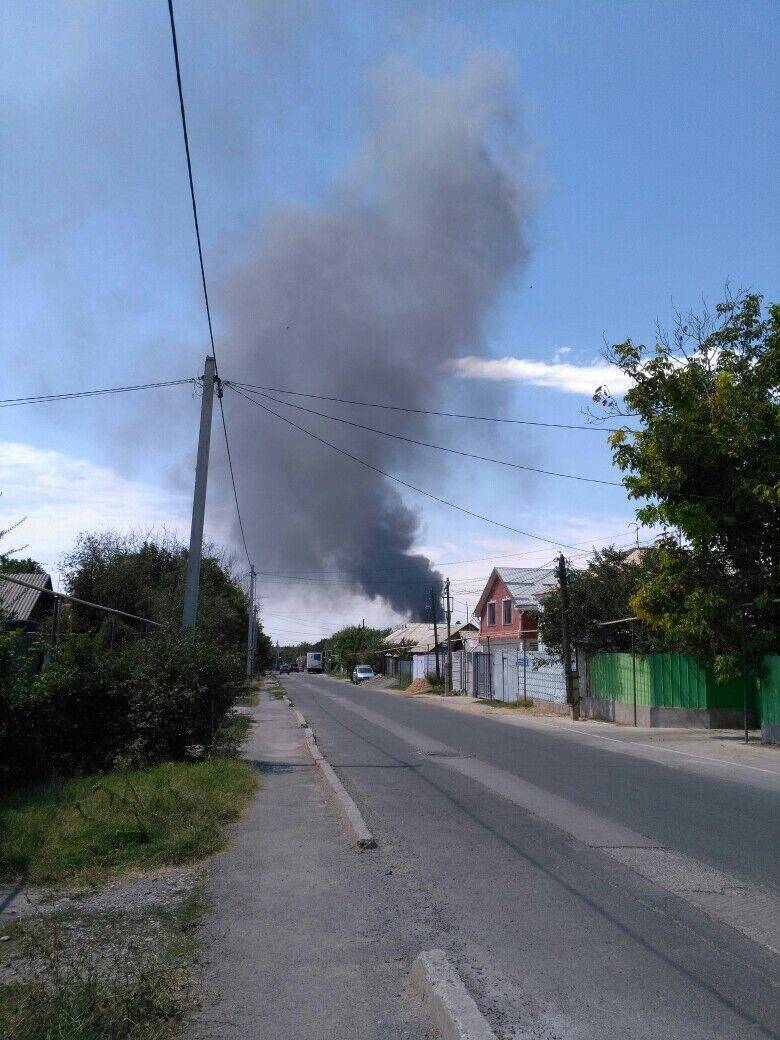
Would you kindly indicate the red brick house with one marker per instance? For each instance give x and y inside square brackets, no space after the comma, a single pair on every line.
[508,608]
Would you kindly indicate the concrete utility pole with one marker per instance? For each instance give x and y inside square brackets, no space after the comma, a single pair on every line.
[190,609]
[449,637]
[250,636]
[564,588]
[435,633]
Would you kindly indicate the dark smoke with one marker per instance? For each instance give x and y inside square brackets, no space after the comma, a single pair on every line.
[365,298]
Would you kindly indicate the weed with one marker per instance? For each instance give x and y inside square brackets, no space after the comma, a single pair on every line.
[98,827]
[232,733]
[118,986]
[521,705]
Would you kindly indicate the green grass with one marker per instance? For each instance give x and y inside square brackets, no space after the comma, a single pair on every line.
[97,827]
[233,732]
[147,1004]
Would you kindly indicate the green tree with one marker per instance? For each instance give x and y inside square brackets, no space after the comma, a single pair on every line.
[265,654]
[356,645]
[602,592]
[704,460]
[144,575]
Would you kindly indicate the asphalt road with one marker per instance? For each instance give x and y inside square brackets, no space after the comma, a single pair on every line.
[582,891]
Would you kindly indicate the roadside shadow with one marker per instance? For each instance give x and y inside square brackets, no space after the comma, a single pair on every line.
[276,768]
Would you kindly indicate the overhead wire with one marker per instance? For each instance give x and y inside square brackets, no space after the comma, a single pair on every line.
[345,579]
[233,482]
[11,402]
[392,476]
[437,447]
[469,588]
[203,268]
[189,174]
[424,411]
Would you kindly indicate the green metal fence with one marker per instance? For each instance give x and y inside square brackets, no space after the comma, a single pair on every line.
[667,681]
[769,692]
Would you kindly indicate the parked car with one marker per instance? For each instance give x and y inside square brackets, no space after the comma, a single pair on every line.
[284,668]
[361,673]
[294,666]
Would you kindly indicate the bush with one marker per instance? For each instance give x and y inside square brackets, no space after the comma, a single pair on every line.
[95,707]
[179,690]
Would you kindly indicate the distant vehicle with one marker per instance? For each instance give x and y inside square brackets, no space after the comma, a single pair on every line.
[284,668]
[361,673]
[314,661]
[294,666]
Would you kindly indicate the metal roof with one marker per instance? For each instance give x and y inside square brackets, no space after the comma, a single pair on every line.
[526,585]
[418,637]
[18,602]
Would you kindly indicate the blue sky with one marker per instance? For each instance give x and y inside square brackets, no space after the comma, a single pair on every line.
[644,138]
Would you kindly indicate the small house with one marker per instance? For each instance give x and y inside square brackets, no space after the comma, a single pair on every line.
[509,606]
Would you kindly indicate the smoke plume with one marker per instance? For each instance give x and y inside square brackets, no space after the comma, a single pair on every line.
[364,297]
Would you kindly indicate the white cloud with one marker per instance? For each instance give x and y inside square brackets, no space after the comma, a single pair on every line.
[552,375]
[61,495]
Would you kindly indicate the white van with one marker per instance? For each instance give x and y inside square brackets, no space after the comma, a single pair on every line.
[314,661]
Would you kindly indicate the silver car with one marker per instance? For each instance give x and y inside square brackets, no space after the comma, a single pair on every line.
[361,673]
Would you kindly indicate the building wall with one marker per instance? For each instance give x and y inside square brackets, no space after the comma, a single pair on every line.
[522,622]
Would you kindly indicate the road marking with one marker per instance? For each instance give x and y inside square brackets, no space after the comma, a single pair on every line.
[745,906]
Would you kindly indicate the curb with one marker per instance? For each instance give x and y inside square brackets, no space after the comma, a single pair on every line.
[353,820]
[447,1000]
[355,825]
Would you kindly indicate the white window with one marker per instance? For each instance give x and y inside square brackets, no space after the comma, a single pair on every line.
[507,611]
[491,613]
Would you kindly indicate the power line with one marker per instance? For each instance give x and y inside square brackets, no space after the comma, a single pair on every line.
[391,476]
[423,411]
[344,579]
[505,556]
[438,447]
[414,582]
[468,587]
[203,270]
[189,174]
[233,480]
[11,402]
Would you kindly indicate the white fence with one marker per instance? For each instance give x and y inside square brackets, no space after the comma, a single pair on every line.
[502,675]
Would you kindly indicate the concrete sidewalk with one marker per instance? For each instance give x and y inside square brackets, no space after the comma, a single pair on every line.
[297,942]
